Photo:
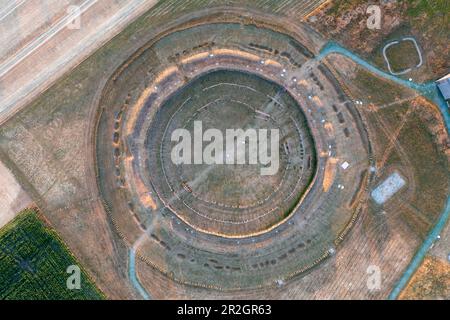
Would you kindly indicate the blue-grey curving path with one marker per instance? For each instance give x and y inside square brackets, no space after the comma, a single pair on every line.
[132,275]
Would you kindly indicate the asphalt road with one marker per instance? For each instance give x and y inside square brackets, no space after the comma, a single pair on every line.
[54,48]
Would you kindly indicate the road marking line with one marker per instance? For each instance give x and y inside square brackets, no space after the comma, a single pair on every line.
[8,10]
[41,40]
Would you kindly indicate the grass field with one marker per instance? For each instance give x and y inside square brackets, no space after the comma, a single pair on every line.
[33,263]
[377,91]
[429,7]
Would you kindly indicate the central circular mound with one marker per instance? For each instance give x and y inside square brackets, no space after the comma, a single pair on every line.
[250,211]
[229,153]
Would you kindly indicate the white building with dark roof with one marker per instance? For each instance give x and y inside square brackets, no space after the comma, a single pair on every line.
[444,86]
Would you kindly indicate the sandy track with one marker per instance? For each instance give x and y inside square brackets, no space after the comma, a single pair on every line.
[38,47]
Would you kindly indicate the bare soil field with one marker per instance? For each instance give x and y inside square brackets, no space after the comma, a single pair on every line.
[13,198]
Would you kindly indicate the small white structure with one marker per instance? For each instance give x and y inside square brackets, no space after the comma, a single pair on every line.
[345,165]
[280,283]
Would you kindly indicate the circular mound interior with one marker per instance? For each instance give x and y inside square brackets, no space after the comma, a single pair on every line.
[230,153]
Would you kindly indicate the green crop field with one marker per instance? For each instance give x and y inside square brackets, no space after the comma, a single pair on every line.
[34,261]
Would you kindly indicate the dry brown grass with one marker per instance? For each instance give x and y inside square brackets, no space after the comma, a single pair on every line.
[431,281]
